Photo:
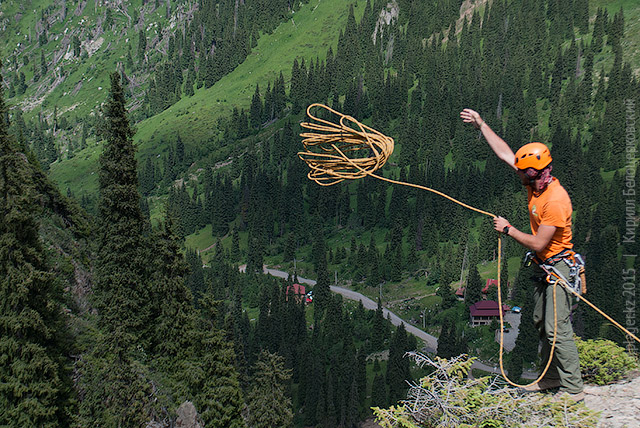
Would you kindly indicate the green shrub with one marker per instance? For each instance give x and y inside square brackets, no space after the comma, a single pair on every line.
[602,361]
[447,398]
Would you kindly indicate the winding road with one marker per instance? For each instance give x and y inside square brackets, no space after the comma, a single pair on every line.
[431,342]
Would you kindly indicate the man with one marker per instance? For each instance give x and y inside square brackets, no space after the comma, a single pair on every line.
[550,219]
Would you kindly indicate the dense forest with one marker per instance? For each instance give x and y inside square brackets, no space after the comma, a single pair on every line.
[111,319]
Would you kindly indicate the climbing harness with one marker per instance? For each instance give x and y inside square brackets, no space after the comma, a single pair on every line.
[326,149]
[576,280]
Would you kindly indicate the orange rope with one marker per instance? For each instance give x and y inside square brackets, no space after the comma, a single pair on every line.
[555,327]
[326,153]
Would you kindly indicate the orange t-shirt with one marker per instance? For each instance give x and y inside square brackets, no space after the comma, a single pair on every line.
[552,207]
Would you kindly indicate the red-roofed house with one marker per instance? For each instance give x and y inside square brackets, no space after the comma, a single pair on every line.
[485,311]
[298,291]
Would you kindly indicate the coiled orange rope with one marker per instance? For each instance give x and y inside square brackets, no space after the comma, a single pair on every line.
[346,149]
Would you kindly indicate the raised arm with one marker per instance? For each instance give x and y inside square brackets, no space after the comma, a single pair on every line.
[497,144]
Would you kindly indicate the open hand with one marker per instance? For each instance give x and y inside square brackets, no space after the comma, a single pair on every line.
[471,116]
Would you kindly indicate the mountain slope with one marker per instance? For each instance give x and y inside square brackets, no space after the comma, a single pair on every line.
[308,34]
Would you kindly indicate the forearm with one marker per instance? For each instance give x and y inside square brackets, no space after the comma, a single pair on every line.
[498,145]
[537,242]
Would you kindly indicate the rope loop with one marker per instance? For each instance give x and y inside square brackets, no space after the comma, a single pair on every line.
[346,150]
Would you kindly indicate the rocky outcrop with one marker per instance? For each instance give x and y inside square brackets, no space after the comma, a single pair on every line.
[388,16]
[188,416]
[618,403]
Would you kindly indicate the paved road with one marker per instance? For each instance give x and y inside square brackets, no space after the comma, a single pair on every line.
[431,342]
[512,335]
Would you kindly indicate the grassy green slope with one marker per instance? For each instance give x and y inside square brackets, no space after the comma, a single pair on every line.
[631,41]
[308,34]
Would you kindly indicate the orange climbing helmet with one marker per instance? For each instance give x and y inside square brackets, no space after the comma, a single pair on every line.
[533,155]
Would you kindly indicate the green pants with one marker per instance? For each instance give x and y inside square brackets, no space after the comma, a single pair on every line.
[565,364]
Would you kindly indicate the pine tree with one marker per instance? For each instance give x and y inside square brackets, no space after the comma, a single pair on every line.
[526,346]
[173,297]
[321,293]
[235,246]
[379,391]
[446,340]
[378,329]
[255,112]
[267,402]
[290,248]
[142,45]
[398,366]
[581,15]
[122,288]
[332,411]
[188,85]
[298,86]
[32,379]
[321,410]
[352,410]
[207,368]
[514,366]
[599,28]
[446,293]
[473,292]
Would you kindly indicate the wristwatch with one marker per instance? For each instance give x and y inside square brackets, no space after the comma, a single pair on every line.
[506,230]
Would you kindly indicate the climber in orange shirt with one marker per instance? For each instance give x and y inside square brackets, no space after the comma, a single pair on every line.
[550,220]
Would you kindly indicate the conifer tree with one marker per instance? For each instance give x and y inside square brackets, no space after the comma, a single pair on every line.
[398,366]
[378,330]
[268,404]
[290,247]
[208,372]
[122,285]
[142,45]
[33,391]
[446,292]
[173,297]
[255,112]
[321,410]
[332,411]
[321,293]
[235,246]
[515,365]
[379,391]
[352,411]
[446,340]
[473,292]
[297,88]
[599,29]
[526,346]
